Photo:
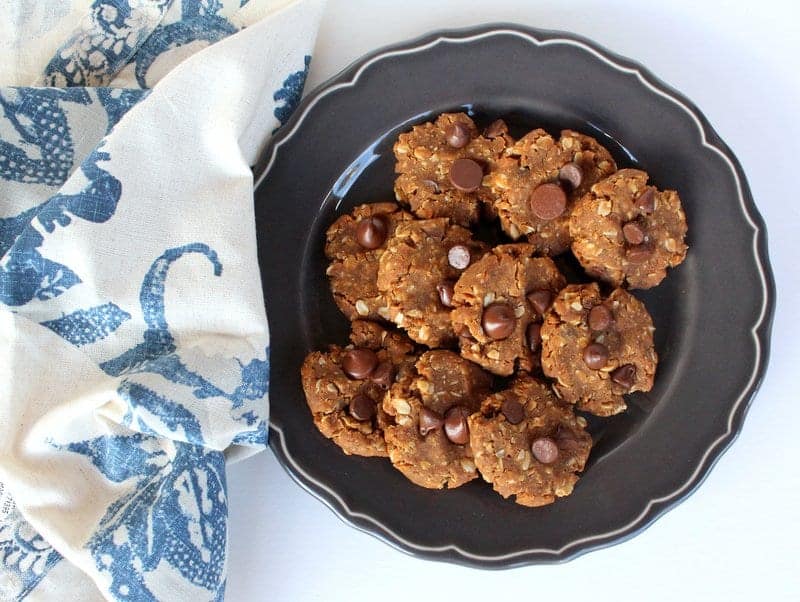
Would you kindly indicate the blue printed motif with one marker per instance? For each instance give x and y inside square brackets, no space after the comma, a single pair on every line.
[157,354]
[171,514]
[143,403]
[158,342]
[12,227]
[289,95]
[25,273]
[122,33]
[256,436]
[44,155]
[199,22]
[95,54]
[88,325]
[175,511]
[24,552]
[45,152]
[118,101]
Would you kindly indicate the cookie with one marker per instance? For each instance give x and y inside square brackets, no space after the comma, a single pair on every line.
[498,306]
[354,244]
[416,274]
[626,232]
[598,349]
[537,184]
[441,164]
[344,387]
[428,436]
[528,443]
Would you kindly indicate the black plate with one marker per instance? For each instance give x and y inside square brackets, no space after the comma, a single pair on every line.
[712,314]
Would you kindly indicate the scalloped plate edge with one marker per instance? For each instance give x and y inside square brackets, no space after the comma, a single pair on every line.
[760,331]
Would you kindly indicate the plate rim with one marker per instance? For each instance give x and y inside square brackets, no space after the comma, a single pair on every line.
[760,331]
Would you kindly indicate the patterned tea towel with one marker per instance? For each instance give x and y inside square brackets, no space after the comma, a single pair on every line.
[134,349]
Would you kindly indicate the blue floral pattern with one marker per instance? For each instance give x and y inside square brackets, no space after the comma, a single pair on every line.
[25,274]
[26,553]
[289,95]
[156,354]
[117,102]
[40,122]
[200,21]
[175,511]
[43,153]
[160,450]
[99,49]
[86,326]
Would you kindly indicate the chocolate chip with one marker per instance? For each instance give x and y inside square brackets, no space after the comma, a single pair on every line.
[429,421]
[466,175]
[457,135]
[545,450]
[548,201]
[496,128]
[371,232]
[639,253]
[383,375]
[633,233]
[359,363]
[646,202]
[595,356]
[455,425]
[566,440]
[513,411]
[362,407]
[432,185]
[498,321]
[458,256]
[624,376]
[540,301]
[571,174]
[600,318]
[534,336]
[445,290]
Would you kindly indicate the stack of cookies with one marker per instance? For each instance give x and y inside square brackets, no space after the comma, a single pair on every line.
[469,358]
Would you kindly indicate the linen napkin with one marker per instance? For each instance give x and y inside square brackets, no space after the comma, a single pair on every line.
[134,349]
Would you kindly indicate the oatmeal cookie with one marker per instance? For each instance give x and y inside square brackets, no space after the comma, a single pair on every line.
[416,274]
[626,232]
[354,245]
[537,184]
[598,349]
[344,387]
[498,305]
[428,434]
[441,165]
[528,443]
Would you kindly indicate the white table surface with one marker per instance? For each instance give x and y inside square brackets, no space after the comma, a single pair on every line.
[738,536]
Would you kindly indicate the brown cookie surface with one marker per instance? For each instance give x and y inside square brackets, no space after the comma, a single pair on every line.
[419,259]
[536,185]
[428,437]
[344,387]
[498,302]
[354,244]
[441,166]
[598,349]
[626,232]
[529,444]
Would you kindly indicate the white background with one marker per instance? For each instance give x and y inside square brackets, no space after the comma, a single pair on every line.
[738,536]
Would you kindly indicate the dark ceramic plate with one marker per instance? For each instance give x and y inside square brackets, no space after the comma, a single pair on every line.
[712,314]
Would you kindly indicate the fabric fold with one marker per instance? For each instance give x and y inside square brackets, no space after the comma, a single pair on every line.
[134,348]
